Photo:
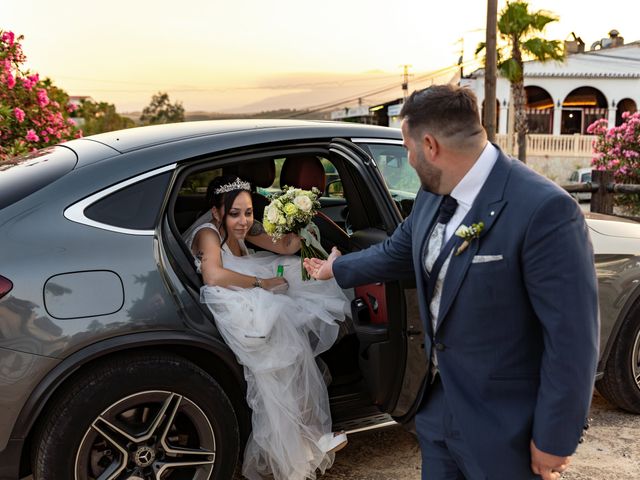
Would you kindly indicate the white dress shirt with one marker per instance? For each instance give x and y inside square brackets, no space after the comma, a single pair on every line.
[469,187]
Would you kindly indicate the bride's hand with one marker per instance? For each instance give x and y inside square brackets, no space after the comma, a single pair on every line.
[321,269]
[275,284]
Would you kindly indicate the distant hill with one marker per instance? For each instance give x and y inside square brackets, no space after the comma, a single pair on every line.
[280,113]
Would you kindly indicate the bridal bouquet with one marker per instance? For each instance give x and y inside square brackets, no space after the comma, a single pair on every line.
[291,211]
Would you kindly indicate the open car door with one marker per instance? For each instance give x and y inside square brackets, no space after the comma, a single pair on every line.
[385,315]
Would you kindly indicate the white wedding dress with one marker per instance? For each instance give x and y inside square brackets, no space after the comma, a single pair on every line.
[276,337]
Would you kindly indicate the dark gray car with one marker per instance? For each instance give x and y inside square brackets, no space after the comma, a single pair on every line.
[111,368]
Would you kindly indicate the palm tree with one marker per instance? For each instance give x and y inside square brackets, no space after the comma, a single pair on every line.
[518,28]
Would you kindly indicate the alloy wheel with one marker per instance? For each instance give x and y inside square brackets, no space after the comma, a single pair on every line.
[150,435]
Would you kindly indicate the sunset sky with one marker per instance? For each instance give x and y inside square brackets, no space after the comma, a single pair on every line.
[252,55]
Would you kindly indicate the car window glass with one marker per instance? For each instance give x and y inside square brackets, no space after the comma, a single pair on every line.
[586,177]
[393,163]
[24,175]
[135,207]
[401,179]
[198,182]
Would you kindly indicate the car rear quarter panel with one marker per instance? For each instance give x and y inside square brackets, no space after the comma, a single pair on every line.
[617,261]
[618,290]
[19,374]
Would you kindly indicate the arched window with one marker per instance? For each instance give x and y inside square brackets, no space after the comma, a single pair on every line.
[539,110]
[581,108]
[625,105]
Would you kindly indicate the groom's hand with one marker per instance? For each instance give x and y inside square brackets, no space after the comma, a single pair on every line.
[321,269]
[549,467]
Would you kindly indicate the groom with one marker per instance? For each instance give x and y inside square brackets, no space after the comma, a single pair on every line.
[509,305]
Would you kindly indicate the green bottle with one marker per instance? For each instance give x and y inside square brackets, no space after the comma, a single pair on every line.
[280,271]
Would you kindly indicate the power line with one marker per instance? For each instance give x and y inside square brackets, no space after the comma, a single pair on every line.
[337,103]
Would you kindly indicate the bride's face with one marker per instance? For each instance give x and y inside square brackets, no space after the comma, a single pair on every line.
[240,216]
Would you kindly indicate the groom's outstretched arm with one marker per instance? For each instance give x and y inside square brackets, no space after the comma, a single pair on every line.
[386,261]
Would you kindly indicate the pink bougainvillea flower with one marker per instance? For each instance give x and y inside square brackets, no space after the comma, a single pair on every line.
[19,114]
[43,98]
[31,136]
[30,81]
[8,37]
[10,80]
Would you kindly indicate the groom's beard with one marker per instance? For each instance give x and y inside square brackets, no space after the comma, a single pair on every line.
[429,175]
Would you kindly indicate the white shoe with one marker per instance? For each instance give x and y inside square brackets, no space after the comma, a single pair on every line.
[332,442]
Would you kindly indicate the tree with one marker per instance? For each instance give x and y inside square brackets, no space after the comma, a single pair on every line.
[101,117]
[490,72]
[617,149]
[161,110]
[518,28]
[34,113]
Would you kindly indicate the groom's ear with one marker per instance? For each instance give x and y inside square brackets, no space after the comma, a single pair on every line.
[430,145]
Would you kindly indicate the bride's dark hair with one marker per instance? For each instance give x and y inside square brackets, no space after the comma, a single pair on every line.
[224,199]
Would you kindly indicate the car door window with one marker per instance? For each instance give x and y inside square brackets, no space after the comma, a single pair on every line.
[401,179]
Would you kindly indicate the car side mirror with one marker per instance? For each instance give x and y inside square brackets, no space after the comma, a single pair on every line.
[334,189]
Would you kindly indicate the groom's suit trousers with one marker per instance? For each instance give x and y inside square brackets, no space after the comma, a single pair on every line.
[445,454]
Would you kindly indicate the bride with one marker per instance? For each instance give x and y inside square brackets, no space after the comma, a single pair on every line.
[275,325]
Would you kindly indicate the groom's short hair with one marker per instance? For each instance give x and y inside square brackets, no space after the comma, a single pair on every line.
[445,111]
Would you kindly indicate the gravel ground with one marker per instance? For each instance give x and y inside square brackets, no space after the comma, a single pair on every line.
[611,451]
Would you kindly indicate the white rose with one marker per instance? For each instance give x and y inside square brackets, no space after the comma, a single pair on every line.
[272,214]
[462,231]
[303,203]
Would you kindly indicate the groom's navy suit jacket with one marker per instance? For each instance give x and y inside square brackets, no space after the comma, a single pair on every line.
[518,335]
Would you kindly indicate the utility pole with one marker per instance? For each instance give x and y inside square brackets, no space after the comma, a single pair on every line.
[461,58]
[490,70]
[405,81]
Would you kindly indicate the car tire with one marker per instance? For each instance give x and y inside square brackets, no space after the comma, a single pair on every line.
[135,415]
[621,381]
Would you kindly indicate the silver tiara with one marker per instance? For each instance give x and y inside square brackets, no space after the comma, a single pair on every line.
[237,184]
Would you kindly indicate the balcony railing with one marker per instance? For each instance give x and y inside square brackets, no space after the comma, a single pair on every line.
[551,145]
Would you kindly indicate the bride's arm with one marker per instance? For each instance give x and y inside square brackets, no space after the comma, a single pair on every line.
[287,245]
[206,246]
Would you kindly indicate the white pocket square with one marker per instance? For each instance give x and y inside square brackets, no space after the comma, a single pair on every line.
[486,258]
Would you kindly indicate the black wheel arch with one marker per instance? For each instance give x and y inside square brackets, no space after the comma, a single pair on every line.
[632,302]
[210,354]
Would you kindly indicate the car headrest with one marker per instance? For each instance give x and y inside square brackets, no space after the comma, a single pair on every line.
[260,173]
[303,171]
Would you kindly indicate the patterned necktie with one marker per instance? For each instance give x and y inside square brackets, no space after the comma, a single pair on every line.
[436,240]
[434,246]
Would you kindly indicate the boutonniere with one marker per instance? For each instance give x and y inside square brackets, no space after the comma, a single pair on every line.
[468,234]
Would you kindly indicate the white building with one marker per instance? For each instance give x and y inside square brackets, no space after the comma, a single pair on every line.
[566,97]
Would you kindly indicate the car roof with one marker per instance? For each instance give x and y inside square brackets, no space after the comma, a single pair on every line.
[142,137]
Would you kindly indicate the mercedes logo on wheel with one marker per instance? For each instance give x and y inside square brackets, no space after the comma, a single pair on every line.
[144,456]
